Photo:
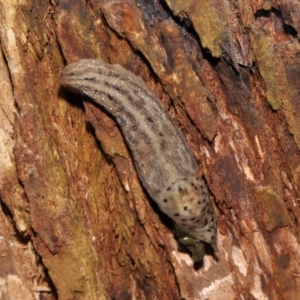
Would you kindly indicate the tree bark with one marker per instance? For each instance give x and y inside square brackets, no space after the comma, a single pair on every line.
[228,73]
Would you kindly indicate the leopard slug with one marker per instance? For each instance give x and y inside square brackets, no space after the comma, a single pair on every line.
[163,159]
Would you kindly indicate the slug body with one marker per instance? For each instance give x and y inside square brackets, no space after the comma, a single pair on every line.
[164,161]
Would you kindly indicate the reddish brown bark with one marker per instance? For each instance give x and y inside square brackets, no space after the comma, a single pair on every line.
[228,73]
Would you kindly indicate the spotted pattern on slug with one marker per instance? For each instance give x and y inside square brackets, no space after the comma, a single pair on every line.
[187,202]
[164,161]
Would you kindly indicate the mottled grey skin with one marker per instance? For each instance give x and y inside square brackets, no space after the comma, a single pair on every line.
[163,159]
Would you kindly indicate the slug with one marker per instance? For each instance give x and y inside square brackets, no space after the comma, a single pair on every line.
[163,159]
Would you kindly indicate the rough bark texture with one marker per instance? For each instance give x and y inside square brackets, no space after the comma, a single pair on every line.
[229,74]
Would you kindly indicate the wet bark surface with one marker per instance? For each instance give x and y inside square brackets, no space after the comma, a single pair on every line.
[228,73]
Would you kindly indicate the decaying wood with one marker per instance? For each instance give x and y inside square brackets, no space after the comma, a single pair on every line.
[228,73]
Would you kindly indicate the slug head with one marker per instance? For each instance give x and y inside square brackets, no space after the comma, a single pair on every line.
[194,246]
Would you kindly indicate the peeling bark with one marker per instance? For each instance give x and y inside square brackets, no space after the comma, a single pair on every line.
[228,73]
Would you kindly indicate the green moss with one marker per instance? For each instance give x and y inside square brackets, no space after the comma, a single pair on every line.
[273,210]
[270,65]
[208,22]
